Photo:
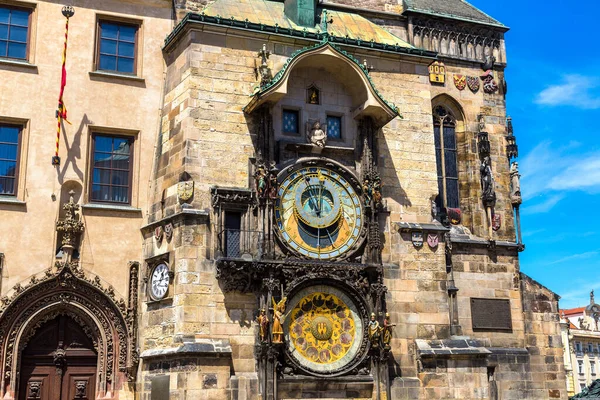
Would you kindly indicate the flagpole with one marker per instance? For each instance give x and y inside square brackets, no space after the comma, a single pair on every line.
[61,112]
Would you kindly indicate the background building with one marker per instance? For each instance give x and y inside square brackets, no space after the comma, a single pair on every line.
[282,199]
[581,338]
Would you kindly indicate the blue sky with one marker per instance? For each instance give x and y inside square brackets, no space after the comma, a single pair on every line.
[553,96]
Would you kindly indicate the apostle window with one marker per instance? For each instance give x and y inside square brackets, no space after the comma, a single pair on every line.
[291,122]
[444,125]
[117,47]
[334,127]
[14,32]
[111,169]
[10,138]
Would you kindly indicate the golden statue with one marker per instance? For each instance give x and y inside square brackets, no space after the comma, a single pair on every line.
[387,330]
[278,310]
[374,331]
[263,325]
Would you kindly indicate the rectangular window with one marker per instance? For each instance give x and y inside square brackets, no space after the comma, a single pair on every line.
[590,348]
[447,167]
[111,169]
[117,47]
[580,367]
[593,368]
[578,347]
[10,137]
[14,32]
[233,224]
[291,122]
[334,127]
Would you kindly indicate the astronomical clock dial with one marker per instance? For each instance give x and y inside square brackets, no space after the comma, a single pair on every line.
[324,329]
[159,281]
[318,213]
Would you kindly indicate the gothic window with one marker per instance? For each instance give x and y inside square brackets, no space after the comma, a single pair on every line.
[444,124]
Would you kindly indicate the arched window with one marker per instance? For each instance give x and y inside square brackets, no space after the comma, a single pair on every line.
[444,127]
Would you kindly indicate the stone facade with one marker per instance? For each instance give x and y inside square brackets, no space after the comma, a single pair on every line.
[213,152]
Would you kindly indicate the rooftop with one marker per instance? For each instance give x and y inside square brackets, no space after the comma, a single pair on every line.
[454,9]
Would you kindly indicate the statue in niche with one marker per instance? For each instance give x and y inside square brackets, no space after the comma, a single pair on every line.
[515,184]
[487,182]
[263,325]
[374,331]
[387,331]
[278,316]
[260,179]
[316,135]
[313,95]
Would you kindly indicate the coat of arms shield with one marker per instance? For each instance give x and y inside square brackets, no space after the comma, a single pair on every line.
[185,190]
[473,83]
[158,233]
[460,81]
[417,239]
[496,222]
[433,240]
[169,231]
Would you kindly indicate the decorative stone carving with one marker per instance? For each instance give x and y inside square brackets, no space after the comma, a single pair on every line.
[316,135]
[168,231]
[80,389]
[70,226]
[313,95]
[488,63]
[489,84]
[263,325]
[239,197]
[278,316]
[263,70]
[374,331]
[185,191]
[34,390]
[387,331]
[158,234]
[60,360]
[515,184]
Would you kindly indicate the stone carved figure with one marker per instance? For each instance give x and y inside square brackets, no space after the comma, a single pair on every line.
[481,123]
[272,185]
[278,317]
[260,179]
[317,136]
[263,325]
[387,331]
[515,184]
[488,194]
[374,331]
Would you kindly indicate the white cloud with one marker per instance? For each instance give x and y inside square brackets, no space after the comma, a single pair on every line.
[583,174]
[580,296]
[580,256]
[544,206]
[575,90]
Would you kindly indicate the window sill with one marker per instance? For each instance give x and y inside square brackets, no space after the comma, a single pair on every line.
[116,75]
[17,63]
[12,201]
[111,207]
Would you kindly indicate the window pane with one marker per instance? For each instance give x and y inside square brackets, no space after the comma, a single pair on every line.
[18,34]
[103,143]
[101,176]
[125,65]
[3,31]
[8,168]
[449,138]
[7,186]
[109,30]
[17,50]
[450,161]
[8,151]
[108,46]
[290,121]
[120,178]
[4,15]
[126,49]
[120,194]
[452,193]
[120,145]
[438,162]
[438,199]
[334,127]
[108,63]
[100,193]
[19,17]
[121,162]
[3,48]
[9,134]
[436,136]
[127,33]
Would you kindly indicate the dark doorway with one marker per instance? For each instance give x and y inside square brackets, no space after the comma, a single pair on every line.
[59,363]
[233,224]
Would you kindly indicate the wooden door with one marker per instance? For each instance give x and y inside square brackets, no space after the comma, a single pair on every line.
[59,363]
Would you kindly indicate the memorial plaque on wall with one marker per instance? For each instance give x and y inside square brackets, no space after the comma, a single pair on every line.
[491,314]
[160,387]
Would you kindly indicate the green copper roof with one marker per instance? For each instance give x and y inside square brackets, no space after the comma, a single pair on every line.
[455,9]
[270,13]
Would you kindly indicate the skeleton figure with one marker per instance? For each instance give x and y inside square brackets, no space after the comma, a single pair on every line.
[317,136]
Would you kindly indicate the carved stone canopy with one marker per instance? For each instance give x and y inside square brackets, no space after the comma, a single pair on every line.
[71,226]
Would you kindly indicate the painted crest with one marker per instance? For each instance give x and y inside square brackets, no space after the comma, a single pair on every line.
[473,83]
[437,72]
[433,240]
[496,222]
[169,231]
[454,215]
[158,233]
[417,239]
[185,190]
[489,84]
[460,81]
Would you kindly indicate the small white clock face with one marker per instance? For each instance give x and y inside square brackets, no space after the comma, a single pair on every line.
[159,281]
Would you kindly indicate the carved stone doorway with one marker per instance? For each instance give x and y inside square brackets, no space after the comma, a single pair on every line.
[59,363]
